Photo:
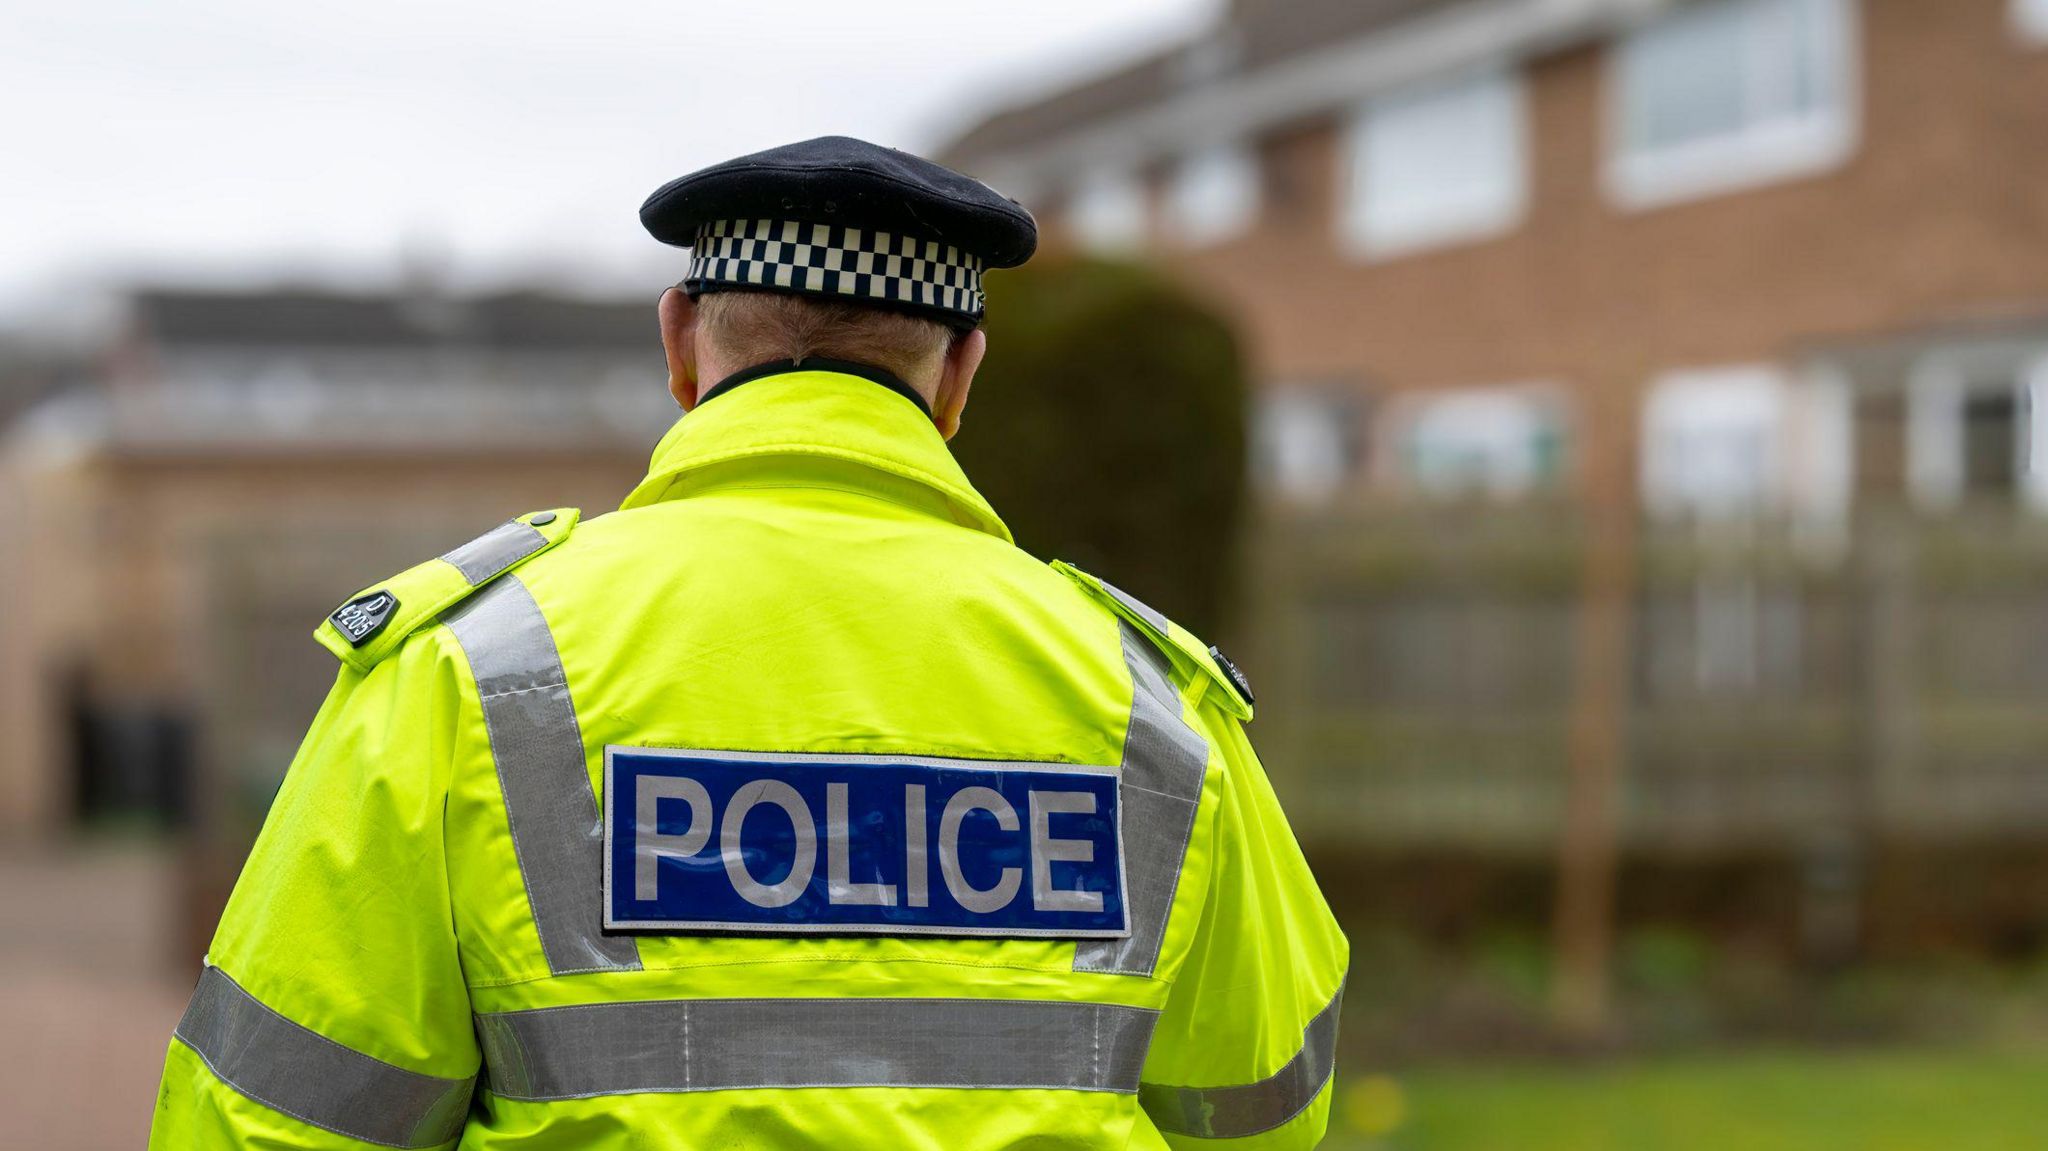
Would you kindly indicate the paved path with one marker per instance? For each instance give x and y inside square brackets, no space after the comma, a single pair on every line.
[89,992]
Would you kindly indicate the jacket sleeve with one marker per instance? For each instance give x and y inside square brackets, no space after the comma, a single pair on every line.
[1243,1054]
[332,1012]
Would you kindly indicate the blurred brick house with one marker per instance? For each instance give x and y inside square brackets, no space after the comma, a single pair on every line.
[1737,255]
[1755,288]
[239,463]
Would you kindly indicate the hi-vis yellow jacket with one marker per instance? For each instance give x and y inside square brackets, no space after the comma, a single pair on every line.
[789,806]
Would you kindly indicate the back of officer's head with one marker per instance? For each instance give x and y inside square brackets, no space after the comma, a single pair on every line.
[747,328]
[875,256]
[720,333]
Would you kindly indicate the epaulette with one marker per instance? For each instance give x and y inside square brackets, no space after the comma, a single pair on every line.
[375,621]
[1189,655]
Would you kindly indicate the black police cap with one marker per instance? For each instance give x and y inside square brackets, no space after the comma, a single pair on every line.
[842,217]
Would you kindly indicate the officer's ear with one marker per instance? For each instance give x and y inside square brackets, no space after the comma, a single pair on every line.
[679,340]
[956,377]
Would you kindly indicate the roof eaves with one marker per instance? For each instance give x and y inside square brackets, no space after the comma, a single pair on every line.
[1413,47]
[1139,83]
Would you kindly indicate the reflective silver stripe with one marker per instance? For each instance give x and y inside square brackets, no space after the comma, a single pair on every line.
[312,1078]
[730,1044]
[1247,1109]
[1138,607]
[495,550]
[542,771]
[1159,787]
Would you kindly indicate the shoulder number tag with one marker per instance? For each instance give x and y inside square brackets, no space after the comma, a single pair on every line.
[860,844]
[365,616]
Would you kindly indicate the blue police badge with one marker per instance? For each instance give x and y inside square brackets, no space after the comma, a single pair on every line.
[727,841]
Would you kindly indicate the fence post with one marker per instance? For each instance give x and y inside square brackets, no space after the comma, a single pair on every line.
[1589,844]
[1892,719]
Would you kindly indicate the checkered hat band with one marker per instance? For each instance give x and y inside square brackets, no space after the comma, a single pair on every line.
[828,259]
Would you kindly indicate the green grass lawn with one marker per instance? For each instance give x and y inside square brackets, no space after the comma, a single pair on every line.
[1913,1100]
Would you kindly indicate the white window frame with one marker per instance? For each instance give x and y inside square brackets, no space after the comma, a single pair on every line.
[2030,20]
[1937,391]
[1820,476]
[2034,449]
[1198,223]
[1370,238]
[1406,415]
[1095,205]
[1804,419]
[1759,155]
[1333,414]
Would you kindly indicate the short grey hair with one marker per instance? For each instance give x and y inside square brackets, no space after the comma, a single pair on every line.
[757,327]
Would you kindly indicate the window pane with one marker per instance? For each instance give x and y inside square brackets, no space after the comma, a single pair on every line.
[1496,442]
[1991,431]
[1303,444]
[1436,164]
[2032,17]
[1108,212]
[1790,59]
[1215,194]
[1685,77]
[1722,69]
[1712,442]
[1726,94]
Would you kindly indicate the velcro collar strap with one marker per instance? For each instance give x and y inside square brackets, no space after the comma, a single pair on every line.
[1189,655]
[418,595]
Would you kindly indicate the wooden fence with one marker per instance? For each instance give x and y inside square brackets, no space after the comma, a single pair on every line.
[1788,684]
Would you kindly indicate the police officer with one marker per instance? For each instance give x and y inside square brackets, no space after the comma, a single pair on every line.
[791,805]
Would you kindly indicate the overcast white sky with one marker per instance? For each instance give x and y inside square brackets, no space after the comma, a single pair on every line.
[236,138]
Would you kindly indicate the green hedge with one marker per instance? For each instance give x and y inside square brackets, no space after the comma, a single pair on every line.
[1107,428]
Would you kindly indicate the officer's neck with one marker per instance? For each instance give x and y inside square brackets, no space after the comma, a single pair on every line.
[881,377]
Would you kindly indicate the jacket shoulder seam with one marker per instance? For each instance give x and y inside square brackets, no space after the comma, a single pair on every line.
[420,595]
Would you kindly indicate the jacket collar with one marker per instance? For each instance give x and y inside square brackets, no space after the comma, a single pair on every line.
[814,414]
[874,375]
